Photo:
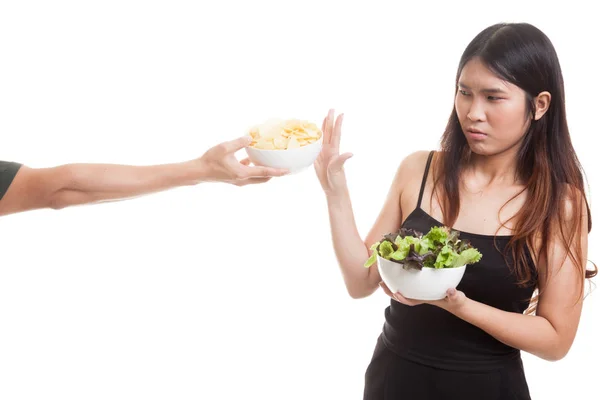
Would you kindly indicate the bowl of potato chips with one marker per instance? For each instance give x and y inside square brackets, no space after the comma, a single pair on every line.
[291,144]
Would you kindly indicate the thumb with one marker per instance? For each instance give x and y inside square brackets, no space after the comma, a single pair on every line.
[237,144]
[452,294]
[338,162]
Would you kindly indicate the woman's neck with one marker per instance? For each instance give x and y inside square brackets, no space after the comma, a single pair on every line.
[498,169]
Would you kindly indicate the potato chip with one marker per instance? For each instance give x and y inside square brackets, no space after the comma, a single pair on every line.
[293,143]
[280,142]
[264,143]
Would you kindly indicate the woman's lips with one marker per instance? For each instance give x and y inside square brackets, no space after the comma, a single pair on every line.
[475,134]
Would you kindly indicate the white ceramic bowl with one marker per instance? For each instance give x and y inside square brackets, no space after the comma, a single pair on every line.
[424,284]
[293,160]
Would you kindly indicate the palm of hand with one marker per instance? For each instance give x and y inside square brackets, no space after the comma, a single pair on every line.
[329,163]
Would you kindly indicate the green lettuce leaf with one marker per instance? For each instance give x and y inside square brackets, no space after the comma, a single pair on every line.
[468,256]
[445,258]
[437,234]
[371,260]
[385,249]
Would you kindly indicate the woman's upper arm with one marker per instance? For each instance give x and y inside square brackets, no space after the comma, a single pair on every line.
[28,188]
[390,216]
[561,294]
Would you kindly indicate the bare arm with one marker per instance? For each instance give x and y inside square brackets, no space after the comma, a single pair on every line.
[75,184]
[350,249]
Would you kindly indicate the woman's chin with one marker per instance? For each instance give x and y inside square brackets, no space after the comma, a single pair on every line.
[480,149]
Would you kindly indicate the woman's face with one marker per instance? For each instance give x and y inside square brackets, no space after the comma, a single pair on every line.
[491,111]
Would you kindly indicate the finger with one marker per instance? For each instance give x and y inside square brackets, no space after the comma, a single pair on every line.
[329,126]
[245,161]
[338,162]
[263,172]
[324,130]
[336,135]
[252,181]
[404,300]
[386,289]
[399,298]
[237,144]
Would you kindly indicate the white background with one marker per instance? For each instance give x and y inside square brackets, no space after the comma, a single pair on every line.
[214,291]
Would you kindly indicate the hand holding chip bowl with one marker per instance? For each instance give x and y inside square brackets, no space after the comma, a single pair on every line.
[289,144]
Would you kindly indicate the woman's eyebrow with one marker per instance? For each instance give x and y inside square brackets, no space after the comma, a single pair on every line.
[486,90]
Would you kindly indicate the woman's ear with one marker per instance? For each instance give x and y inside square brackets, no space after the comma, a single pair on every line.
[542,103]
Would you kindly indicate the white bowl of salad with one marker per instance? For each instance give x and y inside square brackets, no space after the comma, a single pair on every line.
[423,267]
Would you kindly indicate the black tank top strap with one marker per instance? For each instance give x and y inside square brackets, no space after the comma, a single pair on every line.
[425,177]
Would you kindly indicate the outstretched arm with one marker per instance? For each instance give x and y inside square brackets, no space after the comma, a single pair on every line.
[350,249]
[75,184]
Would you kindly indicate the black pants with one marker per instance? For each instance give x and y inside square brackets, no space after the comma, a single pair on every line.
[390,377]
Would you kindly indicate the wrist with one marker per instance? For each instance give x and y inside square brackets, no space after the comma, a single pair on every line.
[195,172]
[338,192]
[336,197]
[456,306]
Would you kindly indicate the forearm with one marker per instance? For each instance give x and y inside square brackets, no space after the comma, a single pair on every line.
[350,250]
[533,334]
[86,183]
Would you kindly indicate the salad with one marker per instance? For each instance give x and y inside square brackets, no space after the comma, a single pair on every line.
[439,248]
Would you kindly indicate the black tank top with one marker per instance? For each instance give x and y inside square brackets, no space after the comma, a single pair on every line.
[8,171]
[433,336]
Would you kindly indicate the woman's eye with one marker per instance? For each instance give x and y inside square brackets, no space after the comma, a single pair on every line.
[494,98]
[463,92]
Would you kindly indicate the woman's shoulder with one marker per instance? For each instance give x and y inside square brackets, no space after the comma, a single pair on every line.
[415,162]
[410,171]
[574,203]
